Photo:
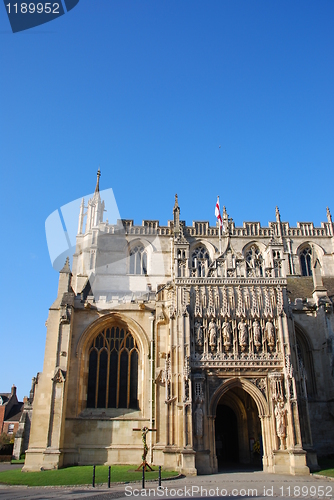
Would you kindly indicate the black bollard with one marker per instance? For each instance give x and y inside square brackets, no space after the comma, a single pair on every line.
[159,475]
[109,476]
[93,483]
[143,478]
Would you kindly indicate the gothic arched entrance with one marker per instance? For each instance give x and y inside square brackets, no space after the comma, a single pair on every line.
[237,425]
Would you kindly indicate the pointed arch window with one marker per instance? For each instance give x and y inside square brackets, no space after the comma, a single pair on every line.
[113,370]
[254,262]
[200,261]
[306,261]
[138,260]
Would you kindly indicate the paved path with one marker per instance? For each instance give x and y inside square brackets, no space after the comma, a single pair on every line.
[237,485]
[9,466]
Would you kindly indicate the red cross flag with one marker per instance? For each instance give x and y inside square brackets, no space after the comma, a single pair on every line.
[217,213]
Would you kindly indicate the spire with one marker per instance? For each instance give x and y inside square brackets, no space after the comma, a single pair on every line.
[97,188]
[64,284]
[176,212]
[81,216]
[278,217]
[66,269]
[329,216]
[176,203]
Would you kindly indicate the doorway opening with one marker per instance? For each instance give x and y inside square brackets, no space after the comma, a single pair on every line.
[238,438]
[227,447]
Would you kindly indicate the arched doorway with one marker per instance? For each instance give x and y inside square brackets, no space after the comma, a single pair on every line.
[238,435]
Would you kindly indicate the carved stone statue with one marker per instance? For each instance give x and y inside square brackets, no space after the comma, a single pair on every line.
[270,334]
[199,421]
[257,333]
[198,334]
[243,334]
[212,334]
[227,333]
[280,412]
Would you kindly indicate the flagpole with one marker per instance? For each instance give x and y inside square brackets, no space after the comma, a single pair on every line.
[219,229]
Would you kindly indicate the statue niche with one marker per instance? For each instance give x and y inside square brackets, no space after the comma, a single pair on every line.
[243,335]
[227,335]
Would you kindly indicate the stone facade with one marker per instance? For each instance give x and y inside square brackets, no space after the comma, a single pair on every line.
[223,345]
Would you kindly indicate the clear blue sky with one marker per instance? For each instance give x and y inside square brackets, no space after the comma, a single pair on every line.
[149,90]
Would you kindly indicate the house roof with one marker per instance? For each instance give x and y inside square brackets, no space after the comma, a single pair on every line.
[15,413]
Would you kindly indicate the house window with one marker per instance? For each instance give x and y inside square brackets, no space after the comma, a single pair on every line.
[200,261]
[305,261]
[113,370]
[254,262]
[138,260]
[10,428]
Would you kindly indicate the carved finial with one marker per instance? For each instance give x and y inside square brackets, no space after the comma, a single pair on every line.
[66,268]
[176,214]
[329,216]
[278,217]
[97,188]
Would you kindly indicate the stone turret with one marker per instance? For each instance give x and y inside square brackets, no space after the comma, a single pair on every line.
[64,278]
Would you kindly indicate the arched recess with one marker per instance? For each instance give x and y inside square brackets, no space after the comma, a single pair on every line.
[139,255]
[203,243]
[200,259]
[258,244]
[226,396]
[253,254]
[247,386]
[304,356]
[84,343]
[309,254]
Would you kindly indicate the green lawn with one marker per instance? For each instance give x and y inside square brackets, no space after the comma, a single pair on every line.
[327,467]
[79,475]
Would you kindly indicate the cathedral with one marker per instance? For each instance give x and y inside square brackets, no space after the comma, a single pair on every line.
[217,340]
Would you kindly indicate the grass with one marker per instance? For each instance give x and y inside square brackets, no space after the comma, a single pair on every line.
[71,476]
[327,467]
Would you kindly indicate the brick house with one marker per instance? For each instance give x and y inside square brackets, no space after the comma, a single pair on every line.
[10,412]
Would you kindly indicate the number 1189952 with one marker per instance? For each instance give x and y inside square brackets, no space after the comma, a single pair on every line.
[31,8]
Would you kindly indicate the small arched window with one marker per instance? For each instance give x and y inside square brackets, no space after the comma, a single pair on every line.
[254,262]
[138,260]
[113,370]
[200,261]
[306,261]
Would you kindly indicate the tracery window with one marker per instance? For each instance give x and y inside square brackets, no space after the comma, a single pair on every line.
[305,261]
[200,261]
[138,260]
[254,261]
[113,370]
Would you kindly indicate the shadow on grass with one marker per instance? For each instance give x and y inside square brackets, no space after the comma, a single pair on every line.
[326,465]
[79,475]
